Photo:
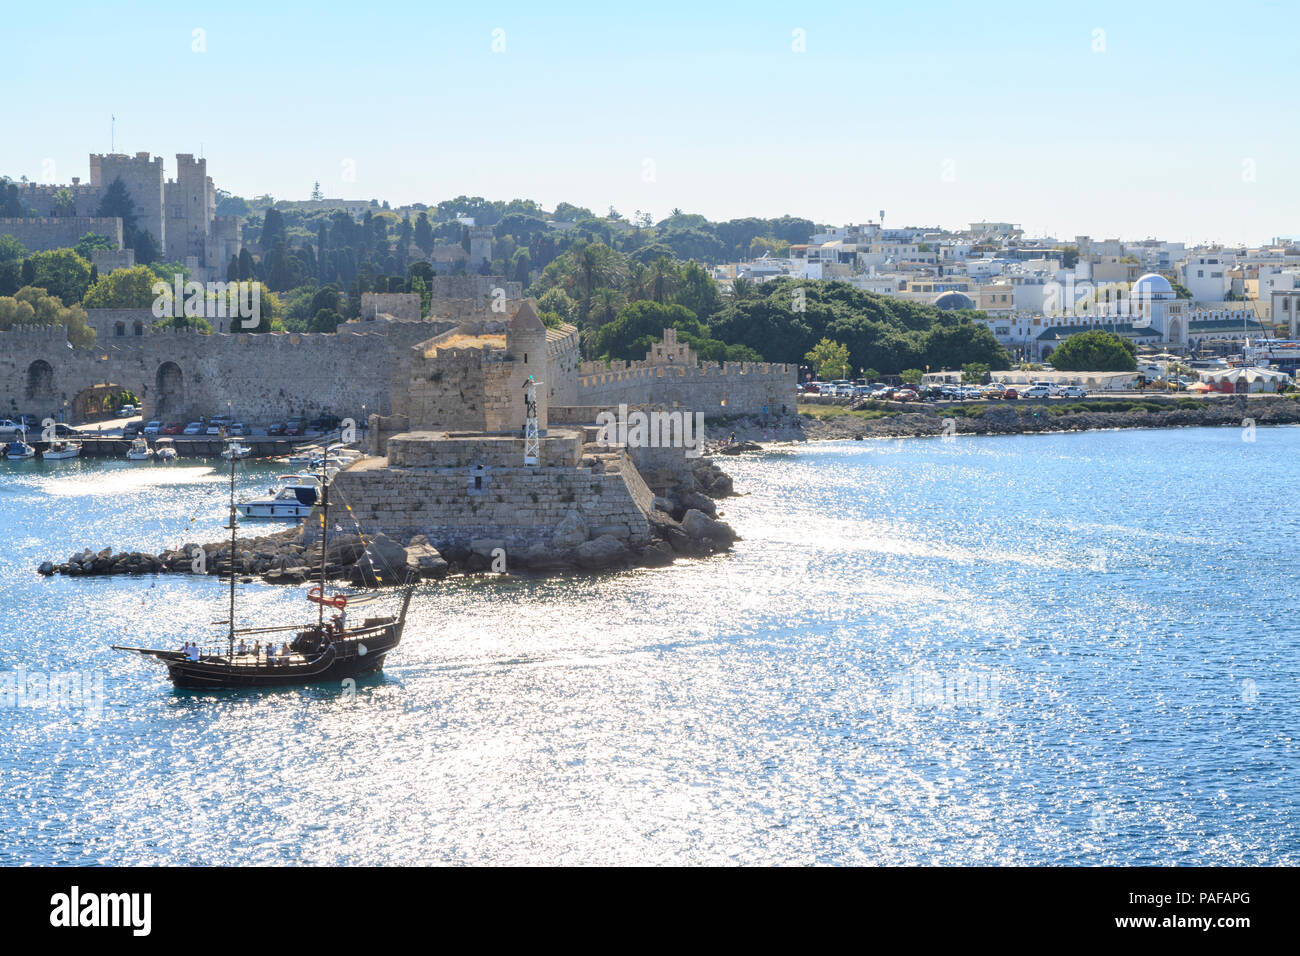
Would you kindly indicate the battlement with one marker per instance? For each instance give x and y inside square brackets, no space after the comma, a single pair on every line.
[598,373]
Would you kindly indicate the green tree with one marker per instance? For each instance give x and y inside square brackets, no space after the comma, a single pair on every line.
[830,359]
[638,325]
[92,241]
[61,272]
[11,249]
[35,306]
[326,320]
[910,376]
[122,289]
[974,373]
[146,248]
[1095,351]
[555,300]
[64,204]
[423,234]
[117,201]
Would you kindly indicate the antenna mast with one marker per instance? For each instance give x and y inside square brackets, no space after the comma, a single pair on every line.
[532,444]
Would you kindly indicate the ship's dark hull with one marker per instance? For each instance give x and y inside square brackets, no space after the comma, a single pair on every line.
[360,653]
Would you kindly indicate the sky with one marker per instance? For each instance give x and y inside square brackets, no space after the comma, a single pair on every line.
[1129,120]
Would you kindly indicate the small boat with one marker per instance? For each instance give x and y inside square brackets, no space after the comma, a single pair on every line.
[234,450]
[19,450]
[164,449]
[60,449]
[139,450]
[313,652]
[294,498]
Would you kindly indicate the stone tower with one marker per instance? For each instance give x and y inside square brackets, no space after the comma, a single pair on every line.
[143,178]
[480,246]
[191,206]
[526,348]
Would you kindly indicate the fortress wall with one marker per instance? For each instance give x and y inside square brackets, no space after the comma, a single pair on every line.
[264,377]
[447,390]
[40,235]
[520,506]
[400,305]
[735,388]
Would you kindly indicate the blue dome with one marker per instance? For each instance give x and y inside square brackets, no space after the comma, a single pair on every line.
[954,300]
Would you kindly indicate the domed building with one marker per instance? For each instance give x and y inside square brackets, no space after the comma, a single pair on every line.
[1153,286]
[952,301]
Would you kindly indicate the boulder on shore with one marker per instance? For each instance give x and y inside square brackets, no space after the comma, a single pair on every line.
[383,562]
[701,528]
[424,560]
[602,552]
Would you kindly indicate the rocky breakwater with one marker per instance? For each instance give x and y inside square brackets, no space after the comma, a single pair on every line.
[684,522]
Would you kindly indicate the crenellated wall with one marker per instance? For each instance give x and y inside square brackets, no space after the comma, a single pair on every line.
[41,235]
[182,374]
[731,388]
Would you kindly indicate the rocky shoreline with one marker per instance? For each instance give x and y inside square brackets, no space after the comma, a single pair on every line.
[1010,419]
[683,523]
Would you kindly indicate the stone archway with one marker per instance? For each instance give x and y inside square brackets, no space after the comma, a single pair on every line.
[39,388]
[96,402]
[1175,334]
[169,391]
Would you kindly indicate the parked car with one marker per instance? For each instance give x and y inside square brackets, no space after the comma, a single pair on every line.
[276,428]
[28,421]
[193,428]
[991,391]
[812,388]
[213,429]
[906,395]
[238,430]
[1052,388]
[324,423]
[295,426]
[9,428]
[153,429]
[132,429]
[126,411]
[1073,391]
[1036,391]
[1010,394]
[172,428]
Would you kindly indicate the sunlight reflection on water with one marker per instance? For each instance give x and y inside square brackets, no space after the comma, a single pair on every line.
[985,651]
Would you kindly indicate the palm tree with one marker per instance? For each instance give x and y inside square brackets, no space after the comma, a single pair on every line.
[741,289]
[663,279]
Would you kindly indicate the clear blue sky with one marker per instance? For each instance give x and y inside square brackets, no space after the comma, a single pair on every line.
[1151,136]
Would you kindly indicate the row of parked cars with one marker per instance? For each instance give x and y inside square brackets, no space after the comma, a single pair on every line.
[292,427]
[940,393]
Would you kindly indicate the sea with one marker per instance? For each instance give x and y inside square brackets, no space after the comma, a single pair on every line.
[1071,649]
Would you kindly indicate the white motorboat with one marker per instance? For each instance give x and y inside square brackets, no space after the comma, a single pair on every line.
[294,498]
[235,450]
[19,450]
[164,449]
[139,450]
[61,449]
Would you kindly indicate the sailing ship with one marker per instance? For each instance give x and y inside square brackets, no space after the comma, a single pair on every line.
[316,652]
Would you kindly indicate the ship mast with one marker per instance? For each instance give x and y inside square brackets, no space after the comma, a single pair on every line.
[234,525]
[324,530]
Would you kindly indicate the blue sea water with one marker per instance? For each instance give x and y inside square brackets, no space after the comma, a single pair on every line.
[1072,649]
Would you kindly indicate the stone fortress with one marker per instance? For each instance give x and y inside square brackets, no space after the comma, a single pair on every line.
[180,213]
[446,400]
